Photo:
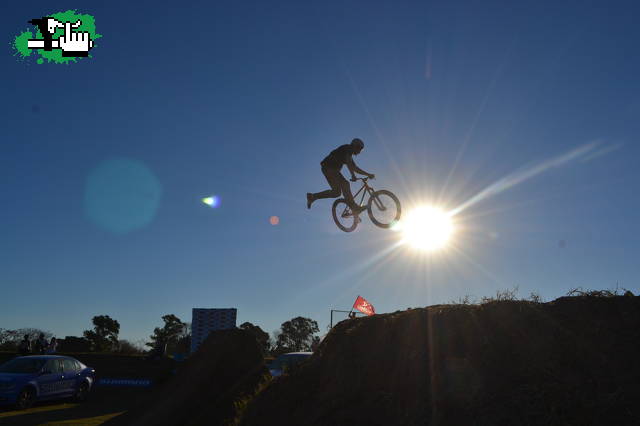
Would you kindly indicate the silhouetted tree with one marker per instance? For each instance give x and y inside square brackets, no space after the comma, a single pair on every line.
[263,339]
[10,339]
[167,337]
[183,345]
[127,348]
[296,335]
[74,344]
[104,336]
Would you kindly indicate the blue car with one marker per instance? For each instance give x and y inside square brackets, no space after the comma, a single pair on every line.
[27,379]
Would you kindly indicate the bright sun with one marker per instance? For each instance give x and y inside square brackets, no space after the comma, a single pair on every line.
[426,228]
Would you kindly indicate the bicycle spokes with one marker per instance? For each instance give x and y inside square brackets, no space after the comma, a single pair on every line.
[384,208]
[343,215]
[379,204]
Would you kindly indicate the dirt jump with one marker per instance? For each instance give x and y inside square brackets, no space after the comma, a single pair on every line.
[572,361]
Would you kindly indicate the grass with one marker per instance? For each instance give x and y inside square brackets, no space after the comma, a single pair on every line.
[500,296]
[88,421]
[618,291]
[33,410]
[240,406]
[535,297]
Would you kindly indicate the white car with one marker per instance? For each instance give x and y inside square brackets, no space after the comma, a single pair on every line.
[285,361]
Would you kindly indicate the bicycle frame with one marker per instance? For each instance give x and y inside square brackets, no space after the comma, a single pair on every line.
[366,189]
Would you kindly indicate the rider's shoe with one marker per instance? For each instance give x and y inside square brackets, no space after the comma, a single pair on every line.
[354,211]
[309,199]
[359,210]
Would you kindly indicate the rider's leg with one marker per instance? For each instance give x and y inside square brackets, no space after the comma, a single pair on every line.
[339,186]
[333,177]
[329,193]
[348,196]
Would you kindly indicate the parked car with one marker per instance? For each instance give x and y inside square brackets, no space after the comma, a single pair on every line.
[286,361]
[27,379]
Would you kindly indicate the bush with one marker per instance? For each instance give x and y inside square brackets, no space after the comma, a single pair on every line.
[125,347]
[74,344]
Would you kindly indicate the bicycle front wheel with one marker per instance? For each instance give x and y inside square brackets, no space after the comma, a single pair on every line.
[384,208]
[342,215]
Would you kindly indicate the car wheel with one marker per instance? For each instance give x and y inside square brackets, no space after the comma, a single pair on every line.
[82,393]
[26,399]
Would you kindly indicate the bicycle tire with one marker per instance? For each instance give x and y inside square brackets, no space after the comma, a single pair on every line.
[380,222]
[350,222]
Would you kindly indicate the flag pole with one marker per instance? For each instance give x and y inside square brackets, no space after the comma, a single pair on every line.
[352,306]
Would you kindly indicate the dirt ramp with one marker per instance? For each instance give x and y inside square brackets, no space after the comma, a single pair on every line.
[227,366]
[568,362]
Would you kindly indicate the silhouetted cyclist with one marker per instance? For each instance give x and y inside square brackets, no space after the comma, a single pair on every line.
[331,166]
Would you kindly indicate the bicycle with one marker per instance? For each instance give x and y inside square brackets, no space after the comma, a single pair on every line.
[383,207]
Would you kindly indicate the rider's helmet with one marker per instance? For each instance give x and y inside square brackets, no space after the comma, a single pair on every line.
[357,144]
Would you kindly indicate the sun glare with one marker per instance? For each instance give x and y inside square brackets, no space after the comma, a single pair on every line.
[426,228]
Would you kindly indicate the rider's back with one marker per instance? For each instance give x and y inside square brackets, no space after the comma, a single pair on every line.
[338,157]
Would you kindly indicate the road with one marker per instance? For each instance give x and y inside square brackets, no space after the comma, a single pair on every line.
[103,404]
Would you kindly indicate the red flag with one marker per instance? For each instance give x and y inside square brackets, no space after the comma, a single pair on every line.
[363,306]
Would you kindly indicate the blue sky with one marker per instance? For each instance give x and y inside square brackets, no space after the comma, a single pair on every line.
[244,99]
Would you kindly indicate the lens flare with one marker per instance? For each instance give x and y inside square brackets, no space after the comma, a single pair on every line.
[122,195]
[274,220]
[213,201]
[584,152]
[426,228]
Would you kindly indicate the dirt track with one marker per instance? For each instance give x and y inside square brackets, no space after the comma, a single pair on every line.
[568,362]
[103,402]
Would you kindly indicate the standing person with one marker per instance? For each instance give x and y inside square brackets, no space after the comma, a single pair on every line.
[25,346]
[52,348]
[331,166]
[41,344]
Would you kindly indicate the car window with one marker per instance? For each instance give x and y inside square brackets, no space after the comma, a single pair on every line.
[79,366]
[69,365]
[53,365]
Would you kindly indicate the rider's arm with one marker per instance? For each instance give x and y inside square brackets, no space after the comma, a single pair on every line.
[353,168]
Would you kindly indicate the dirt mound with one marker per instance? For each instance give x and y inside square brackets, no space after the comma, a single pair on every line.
[227,366]
[572,361]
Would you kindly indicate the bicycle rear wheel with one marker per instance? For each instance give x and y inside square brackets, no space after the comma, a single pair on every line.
[384,208]
[342,215]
